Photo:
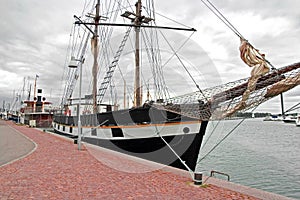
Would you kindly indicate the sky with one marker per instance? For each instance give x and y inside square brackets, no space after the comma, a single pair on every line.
[34,38]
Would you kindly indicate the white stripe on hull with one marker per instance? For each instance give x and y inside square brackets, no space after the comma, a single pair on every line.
[132,131]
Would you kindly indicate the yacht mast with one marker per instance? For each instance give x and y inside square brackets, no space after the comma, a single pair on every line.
[95,54]
[137,81]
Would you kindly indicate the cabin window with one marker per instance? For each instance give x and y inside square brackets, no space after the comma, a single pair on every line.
[64,128]
[94,132]
[71,129]
[117,132]
[58,127]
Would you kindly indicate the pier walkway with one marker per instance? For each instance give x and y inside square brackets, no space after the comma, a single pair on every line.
[55,169]
[13,145]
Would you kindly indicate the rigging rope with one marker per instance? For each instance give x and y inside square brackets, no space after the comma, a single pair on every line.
[226,136]
[219,15]
[229,133]
[212,132]
[111,12]
[227,96]
[295,107]
[183,65]
[253,58]
[155,61]
[63,77]
[154,55]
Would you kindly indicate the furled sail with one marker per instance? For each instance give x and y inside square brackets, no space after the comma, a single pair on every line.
[253,58]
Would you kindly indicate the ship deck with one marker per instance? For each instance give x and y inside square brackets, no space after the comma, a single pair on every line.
[56,169]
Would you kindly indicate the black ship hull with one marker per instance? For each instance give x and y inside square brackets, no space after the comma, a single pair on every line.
[128,132]
[187,147]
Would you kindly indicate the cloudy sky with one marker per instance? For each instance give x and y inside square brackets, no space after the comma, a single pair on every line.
[34,37]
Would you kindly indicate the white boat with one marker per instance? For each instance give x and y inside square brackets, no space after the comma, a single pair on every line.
[272,118]
[36,111]
[298,120]
[162,128]
[289,119]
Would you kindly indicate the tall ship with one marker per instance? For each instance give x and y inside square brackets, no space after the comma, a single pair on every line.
[156,118]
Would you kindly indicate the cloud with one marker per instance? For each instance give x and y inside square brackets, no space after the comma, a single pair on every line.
[34,38]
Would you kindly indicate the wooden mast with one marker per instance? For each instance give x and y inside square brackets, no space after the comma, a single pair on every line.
[125,94]
[137,81]
[95,54]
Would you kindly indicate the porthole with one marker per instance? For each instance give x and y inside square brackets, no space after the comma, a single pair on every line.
[186,129]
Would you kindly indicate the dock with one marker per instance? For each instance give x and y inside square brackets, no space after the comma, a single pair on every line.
[48,166]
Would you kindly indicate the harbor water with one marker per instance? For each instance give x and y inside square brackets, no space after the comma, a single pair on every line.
[259,154]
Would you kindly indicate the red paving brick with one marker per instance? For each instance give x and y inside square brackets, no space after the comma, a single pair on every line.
[57,170]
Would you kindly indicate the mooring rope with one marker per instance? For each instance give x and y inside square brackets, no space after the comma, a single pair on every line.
[182,161]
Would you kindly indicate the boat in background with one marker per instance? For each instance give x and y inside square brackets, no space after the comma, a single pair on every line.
[272,118]
[3,115]
[37,112]
[289,119]
[298,120]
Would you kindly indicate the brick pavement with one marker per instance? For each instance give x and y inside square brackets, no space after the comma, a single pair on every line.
[57,170]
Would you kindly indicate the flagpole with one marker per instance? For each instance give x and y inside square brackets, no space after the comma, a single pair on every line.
[34,96]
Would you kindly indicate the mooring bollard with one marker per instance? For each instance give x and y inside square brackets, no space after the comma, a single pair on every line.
[198,178]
